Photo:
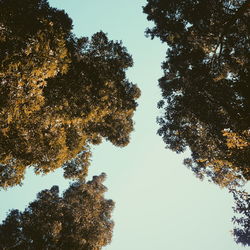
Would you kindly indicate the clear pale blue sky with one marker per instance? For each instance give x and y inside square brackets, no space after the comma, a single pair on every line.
[160,205]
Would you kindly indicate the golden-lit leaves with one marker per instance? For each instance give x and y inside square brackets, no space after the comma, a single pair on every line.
[59,95]
[228,172]
[234,140]
[225,173]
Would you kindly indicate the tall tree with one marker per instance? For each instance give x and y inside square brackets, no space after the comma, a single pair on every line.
[206,84]
[58,94]
[242,221]
[79,219]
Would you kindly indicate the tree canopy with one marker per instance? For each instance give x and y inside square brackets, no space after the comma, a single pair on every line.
[242,220]
[206,84]
[58,93]
[79,219]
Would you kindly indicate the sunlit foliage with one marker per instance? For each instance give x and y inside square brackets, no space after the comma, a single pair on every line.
[58,94]
[79,219]
[206,84]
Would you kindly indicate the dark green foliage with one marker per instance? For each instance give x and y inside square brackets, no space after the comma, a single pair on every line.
[242,208]
[79,219]
[58,94]
[206,84]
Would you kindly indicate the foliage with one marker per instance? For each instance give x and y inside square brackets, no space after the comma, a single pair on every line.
[206,84]
[79,219]
[58,94]
[242,207]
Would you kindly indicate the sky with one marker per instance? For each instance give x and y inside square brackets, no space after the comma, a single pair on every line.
[160,205]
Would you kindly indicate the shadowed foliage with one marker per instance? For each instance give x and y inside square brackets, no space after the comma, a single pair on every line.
[206,84]
[58,94]
[242,208]
[79,219]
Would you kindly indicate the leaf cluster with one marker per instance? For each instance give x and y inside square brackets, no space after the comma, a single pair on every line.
[242,207]
[79,219]
[59,94]
[206,84]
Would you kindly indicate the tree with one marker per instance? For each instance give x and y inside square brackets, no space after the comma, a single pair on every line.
[206,84]
[242,207]
[79,219]
[58,93]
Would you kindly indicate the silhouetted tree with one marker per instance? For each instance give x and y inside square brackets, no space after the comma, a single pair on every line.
[206,84]
[58,94]
[242,208]
[79,219]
